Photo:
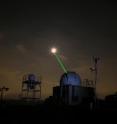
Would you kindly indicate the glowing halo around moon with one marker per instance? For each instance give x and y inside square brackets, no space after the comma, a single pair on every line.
[53,50]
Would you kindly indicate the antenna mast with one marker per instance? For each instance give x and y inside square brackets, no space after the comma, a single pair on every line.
[95,69]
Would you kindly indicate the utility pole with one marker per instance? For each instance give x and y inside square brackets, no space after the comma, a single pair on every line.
[95,70]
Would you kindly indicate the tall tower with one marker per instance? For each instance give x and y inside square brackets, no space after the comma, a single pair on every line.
[95,69]
[31,87]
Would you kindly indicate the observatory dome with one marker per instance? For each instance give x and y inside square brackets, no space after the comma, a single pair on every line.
[70,78]
[31,77]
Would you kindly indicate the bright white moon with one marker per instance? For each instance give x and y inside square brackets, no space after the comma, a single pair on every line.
[53,50]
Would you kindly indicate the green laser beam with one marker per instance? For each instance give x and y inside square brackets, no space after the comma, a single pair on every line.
[60,62]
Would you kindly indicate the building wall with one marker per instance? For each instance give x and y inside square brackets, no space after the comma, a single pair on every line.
[74,94]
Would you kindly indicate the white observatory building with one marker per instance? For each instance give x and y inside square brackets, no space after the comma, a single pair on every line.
[71,90]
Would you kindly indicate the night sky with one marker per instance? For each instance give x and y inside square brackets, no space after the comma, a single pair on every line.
[79,30]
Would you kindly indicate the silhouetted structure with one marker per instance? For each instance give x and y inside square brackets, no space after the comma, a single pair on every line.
[31,87]
[95,70]
[111,98]
[72,92]
[3,90]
